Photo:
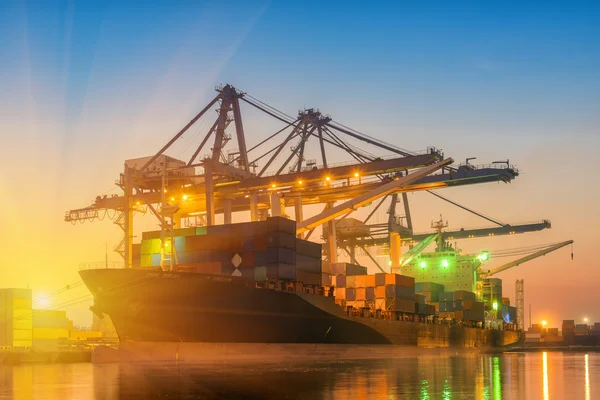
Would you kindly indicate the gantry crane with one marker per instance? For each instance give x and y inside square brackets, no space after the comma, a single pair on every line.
[226,181]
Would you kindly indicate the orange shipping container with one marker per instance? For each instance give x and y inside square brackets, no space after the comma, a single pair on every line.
[360,281]
[370,280]
[361,294]
[394,279]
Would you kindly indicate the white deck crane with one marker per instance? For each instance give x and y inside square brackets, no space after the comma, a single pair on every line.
[529,257]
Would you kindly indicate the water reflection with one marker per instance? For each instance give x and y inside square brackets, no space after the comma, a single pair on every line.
[587,377]
[509,376]
[545,375]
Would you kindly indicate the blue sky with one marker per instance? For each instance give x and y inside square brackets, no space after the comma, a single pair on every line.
[85,86]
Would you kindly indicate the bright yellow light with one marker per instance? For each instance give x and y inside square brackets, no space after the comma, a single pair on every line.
[299,182]
[166,244]
[246,196]
[544,322]
[165,190]
[42,301]
[356,174]
[585,319]
[273,185]
[185,196]
[327,178]
[172,198]
[137,203]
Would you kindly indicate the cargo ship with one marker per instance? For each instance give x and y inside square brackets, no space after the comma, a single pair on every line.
[263,286]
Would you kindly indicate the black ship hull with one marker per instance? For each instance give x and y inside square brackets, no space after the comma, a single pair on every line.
[177,307]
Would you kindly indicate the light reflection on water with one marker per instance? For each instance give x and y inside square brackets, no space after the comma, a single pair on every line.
[508,376]
[545,375]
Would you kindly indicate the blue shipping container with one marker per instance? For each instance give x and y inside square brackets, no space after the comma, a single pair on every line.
[180,243]
[156,260]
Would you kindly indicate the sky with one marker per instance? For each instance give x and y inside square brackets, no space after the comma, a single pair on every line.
[85,86]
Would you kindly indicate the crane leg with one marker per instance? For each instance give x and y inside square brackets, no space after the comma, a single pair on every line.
[395,251]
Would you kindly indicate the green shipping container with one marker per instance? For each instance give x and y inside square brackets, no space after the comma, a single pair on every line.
[146,247]
[155,246]
[146,260]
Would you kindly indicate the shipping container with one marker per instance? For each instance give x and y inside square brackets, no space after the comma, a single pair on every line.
[345,293]
[474,315]
[146,260]
[446,296]
[361,294]
[473,305]
[405,292]
[156,260]
[309,248]
[351,281]
[281,224]
[281,256]
[446,306]
[360,280]
[431,297]
[394,279]
[307,263]
[325,279]
[308,278]
[419,298]
[181,257]
[326,267]
[260,274]
[282,239]
[464,295]
[348,269]
[428,287]
[281,271]
[247,259]
[338,280]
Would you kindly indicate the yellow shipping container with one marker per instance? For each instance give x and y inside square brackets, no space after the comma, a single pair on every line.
[22,304]
[21,334]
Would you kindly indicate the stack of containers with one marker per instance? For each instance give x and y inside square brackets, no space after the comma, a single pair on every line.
[568,331]
[394,292]
[430,290]
[309,268]
[421,306]
[364,286]
[266,250]
[343,280]
[16,318]
[467,308]
[581,330]
[446,303]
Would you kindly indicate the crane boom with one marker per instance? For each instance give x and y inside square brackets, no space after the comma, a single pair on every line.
[418,249]
[368,197]
[529,257]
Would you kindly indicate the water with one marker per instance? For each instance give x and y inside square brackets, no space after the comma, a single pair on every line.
[508,376]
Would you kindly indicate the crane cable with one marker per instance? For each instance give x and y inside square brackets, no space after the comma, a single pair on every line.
[502,224]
